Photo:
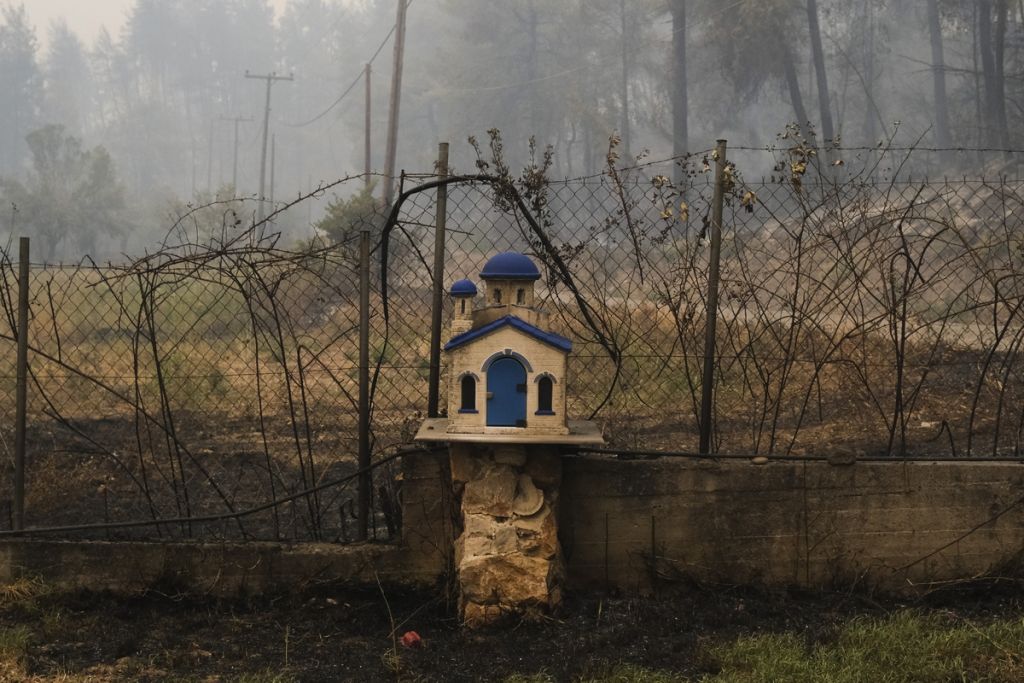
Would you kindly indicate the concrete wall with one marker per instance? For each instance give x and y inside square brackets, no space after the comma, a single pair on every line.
[629,524]
[812,524]
[228,569]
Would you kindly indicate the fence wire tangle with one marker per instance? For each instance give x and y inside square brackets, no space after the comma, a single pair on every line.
[858,314]
[195,382]
[861,311]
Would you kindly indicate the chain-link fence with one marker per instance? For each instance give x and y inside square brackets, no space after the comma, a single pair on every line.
[857,314]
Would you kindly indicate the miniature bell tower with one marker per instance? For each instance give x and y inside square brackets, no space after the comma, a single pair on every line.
[463,292]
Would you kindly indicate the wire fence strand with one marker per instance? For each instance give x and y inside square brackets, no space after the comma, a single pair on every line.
[860,313]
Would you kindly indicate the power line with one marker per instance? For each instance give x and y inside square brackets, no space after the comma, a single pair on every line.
[324,113]
[354,82]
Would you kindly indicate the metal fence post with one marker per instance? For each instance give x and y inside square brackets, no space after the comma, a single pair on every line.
[363,461]
[434,382]
[708,378]
[21,394]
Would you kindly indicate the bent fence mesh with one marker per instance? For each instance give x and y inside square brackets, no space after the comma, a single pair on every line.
[857,315]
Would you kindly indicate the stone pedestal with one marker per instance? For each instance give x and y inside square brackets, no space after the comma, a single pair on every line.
[507,557]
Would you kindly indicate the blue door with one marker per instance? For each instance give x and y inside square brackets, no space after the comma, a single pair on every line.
[506,393]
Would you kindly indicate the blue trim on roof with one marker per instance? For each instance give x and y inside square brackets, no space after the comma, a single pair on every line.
[556,340]
[510,265]
[463,288]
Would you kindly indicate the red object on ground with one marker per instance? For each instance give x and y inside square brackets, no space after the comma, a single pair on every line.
[411,639]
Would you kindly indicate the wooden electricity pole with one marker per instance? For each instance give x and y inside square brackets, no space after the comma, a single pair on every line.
[209,161]
[394,103]
[269,78]
[234,164]
[366,130]
[273,164]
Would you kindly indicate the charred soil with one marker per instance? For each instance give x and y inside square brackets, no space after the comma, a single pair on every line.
[336,633]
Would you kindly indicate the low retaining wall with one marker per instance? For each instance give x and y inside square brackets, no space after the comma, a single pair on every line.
[630,524]
[230,569]
[891,525]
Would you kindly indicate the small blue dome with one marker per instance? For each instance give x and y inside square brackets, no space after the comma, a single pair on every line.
[463,288]
[510,265]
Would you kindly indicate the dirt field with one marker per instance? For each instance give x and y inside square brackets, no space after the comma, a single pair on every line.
[337,634]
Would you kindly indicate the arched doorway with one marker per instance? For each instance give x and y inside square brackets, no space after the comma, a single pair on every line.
[506,393]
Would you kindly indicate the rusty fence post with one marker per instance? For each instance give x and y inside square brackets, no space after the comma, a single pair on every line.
[711,321]
[363,460]
[434,381]
[21,394]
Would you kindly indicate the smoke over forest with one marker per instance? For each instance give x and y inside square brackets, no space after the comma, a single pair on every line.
[103,143]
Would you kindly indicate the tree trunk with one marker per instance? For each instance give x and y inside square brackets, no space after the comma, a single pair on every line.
[819,71]
[680,134]
[793,82]
[624,84]
[988,73]
[942,137]
[870,114]
[979,110]
[999,82]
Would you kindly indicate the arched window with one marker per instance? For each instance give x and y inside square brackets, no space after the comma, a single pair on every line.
[497,296]
[468,387]
[520,296]
[462,306]
[544,391]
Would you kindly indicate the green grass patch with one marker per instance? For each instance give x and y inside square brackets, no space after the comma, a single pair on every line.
[906,646]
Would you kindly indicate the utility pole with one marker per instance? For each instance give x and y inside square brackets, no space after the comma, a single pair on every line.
[234,168]
[366,132]
[273,165]
[394,102]
[269,78]
[209,161]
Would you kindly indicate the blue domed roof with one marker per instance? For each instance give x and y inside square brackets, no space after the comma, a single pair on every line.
[510,265]
[463,288]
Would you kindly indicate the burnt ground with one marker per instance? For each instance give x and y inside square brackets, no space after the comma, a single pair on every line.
[342,634]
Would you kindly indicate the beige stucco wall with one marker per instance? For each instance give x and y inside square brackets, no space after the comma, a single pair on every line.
[509,292]
[542,358]
[490,313]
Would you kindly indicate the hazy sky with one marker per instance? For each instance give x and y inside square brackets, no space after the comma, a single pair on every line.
[86,17]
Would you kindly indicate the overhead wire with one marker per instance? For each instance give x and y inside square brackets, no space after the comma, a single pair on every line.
[354,82]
